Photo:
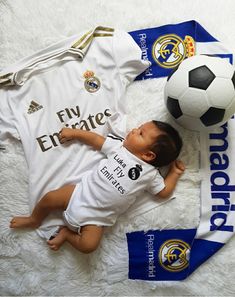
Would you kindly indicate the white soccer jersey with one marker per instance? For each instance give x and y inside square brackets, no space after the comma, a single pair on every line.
[109,190]
[78,82]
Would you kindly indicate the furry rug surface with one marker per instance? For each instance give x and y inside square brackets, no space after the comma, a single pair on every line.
[27,266]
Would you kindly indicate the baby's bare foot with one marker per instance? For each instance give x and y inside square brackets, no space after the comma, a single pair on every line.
[58,241]
[23,222]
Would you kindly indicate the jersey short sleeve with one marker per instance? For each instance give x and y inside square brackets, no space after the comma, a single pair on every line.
[111,144]
[156,185]
[127,55]
[7,119]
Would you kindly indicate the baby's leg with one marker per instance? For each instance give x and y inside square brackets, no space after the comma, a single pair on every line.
[54,200]
[86,242]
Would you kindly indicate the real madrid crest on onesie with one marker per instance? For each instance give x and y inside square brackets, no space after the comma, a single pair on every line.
[92,83]
[134,172]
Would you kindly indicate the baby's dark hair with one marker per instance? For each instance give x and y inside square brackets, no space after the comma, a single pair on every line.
[167,146]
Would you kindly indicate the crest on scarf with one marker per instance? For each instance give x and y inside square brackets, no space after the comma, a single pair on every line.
[170,50]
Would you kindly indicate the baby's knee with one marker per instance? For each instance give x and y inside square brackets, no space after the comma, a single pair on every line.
[90,238]
[49,195]
[88,247]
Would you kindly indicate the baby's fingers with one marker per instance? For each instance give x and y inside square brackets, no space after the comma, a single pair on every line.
[180,164]
[62,137]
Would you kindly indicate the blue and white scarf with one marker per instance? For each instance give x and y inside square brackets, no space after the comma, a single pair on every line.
[167,46]
[175,254]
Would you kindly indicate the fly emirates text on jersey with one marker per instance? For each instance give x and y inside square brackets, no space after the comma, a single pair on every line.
[92,121]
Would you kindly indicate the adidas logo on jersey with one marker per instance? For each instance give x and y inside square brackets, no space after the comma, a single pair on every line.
[33,107]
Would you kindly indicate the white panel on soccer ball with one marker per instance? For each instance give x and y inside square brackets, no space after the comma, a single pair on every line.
[190,123]
[230,111]
[220,92]
[177,84]
[193,62]
[220,67]
[194,102]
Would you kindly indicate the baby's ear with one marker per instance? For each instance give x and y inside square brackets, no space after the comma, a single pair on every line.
[148,156]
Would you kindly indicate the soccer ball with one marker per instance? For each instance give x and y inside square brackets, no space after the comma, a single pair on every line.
[200,93]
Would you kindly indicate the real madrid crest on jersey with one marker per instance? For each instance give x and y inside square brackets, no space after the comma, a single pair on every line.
[92,83]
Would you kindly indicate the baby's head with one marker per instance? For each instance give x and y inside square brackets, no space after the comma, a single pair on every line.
[155,142]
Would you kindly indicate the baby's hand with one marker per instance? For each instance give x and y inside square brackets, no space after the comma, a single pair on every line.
[177,167]
[66,134]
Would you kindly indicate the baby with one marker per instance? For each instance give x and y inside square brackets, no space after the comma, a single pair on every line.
[109,189]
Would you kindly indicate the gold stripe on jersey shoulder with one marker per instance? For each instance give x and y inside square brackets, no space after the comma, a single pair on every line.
[107,29]
[6,82]
[102,35]
[88,37]
[85,43]
[75,45]
[5,79]
[6,75]
[89,40]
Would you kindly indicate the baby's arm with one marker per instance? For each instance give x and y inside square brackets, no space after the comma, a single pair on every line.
[176,170]
[90,138]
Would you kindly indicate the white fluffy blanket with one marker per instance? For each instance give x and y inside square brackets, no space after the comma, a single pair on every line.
[27,266]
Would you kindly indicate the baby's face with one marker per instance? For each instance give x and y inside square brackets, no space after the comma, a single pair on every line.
[140,140]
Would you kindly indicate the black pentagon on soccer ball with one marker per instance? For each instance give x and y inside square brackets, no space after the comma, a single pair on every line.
[233,80]
[201,77]
[213,116]
[174,107]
